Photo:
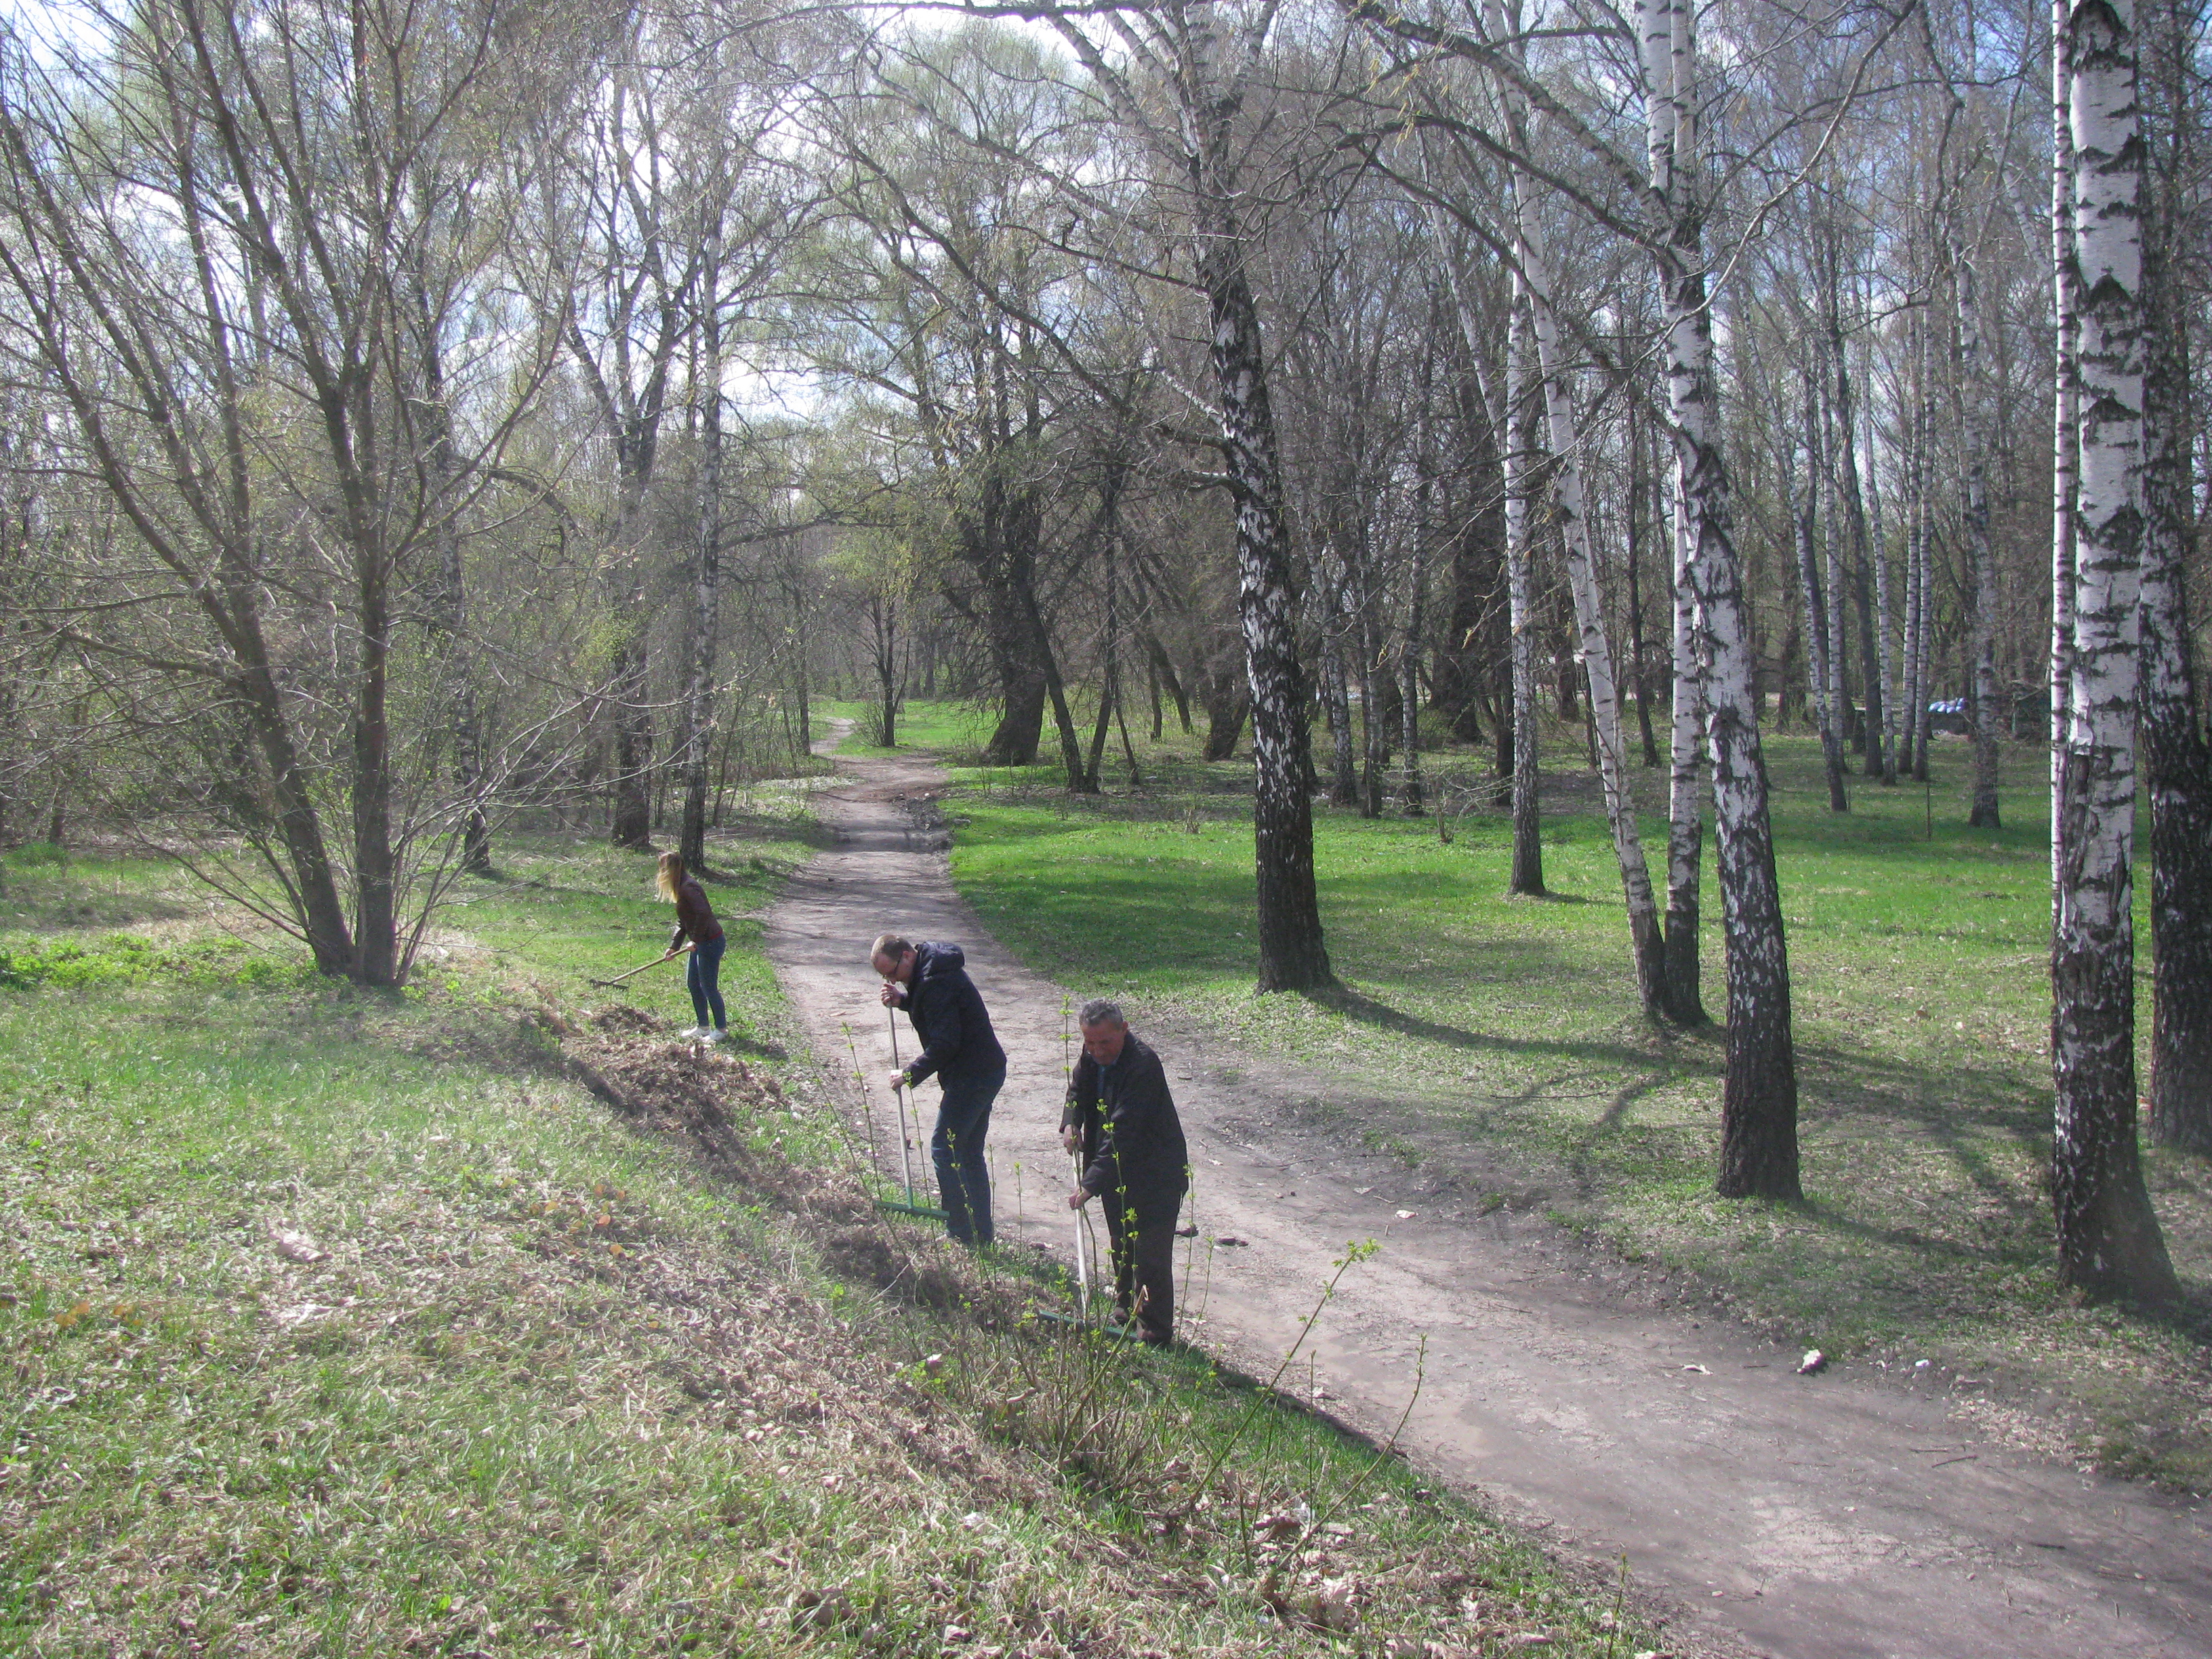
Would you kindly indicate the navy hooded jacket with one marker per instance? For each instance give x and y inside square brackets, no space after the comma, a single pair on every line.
[957,1042]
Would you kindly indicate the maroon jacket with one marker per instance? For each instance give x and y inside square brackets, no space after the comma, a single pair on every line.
[694,915]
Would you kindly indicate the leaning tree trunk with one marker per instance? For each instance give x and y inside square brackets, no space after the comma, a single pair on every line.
[1758,1107]
[2178,757]
[1592,649]
[1974,524]
[2109,1243]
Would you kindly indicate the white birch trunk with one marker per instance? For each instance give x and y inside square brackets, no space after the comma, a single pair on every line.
[1592,649]
[1758,1112]
[1527,871]
[2065,438]
[1974,524]
[1885,639]
[1833,737]
[1686,831]
[2109,1243]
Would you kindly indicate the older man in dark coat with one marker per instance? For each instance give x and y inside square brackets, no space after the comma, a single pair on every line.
[1121,1120]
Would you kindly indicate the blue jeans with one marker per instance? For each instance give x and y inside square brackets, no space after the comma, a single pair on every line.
[703,979]
[956,1146]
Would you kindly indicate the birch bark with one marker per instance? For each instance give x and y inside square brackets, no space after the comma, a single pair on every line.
[2177,754]
[1592,649]
[2109,1242]
[1974,525]
[1527,876]
[1758,1109]
[2066,403]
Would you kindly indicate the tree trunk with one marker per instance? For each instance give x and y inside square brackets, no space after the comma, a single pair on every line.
[2177,754]
[1843,466]
[1686,832]
[1528,871]
[1336,696]
[1293,956]
[1409,645]
[2066,436]
[1974,525]
[1918,646]
[1592,649]
[1638,481]
[2109,1243]
[1758,1109]
[1164,667]
[1819,662]
[1884,629]
[707,566]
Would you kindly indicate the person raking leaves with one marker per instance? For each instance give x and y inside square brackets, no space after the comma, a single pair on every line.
[694,921]
[930,981]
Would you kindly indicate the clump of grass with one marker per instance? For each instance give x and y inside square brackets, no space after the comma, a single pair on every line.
[123,959]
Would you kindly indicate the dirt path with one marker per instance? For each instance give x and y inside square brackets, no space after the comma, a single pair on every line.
[1809,1517]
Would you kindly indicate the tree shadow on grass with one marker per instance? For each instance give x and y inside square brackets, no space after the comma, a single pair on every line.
[1363,1009]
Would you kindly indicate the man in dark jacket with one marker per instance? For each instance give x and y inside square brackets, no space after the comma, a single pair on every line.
[1121,1120]
[930,981]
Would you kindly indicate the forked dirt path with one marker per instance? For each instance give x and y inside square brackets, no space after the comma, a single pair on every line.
[1821,1518]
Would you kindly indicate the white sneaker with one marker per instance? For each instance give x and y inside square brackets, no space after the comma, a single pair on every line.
[714,1038]
[691,1035]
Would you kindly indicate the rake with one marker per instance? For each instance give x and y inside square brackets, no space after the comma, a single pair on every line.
[906,1161]
[609,984]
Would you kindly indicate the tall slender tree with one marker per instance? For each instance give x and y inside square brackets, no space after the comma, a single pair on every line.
[2109,1242]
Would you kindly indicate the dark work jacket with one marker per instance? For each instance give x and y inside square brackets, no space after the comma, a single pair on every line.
[957,1042]
[694,915]
[1132,1144]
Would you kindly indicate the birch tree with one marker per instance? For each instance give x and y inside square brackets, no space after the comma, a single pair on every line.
[1177,76]
[2176,748]
[2109,1242]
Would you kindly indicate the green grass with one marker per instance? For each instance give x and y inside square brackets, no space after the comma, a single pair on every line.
[557,1386]
[940,725]
[1503,1037]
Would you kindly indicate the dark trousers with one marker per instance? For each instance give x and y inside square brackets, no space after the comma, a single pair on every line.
[702,978]
[956,1146]
[1143,1241]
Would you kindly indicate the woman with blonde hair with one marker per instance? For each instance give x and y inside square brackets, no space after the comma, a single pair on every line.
[695,919]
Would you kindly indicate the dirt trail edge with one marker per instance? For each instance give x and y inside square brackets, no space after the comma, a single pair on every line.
[1810,1517]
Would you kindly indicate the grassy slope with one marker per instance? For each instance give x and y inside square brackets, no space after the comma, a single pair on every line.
[556,1388]
[1503,1036]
